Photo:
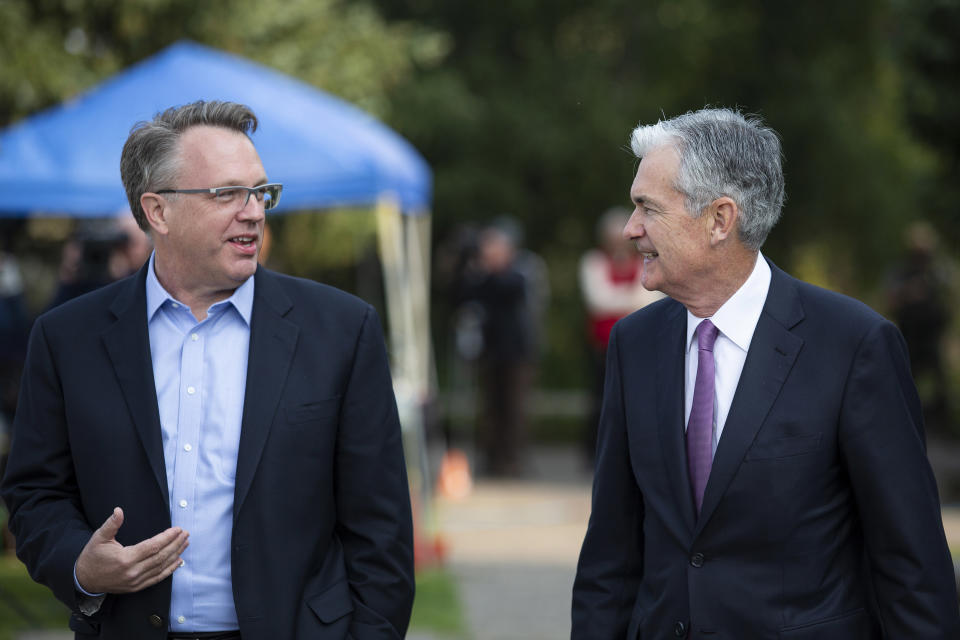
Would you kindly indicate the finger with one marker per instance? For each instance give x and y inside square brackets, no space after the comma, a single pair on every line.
[170,552]
[152,546]
[165,571]
[160,556]
[108,530]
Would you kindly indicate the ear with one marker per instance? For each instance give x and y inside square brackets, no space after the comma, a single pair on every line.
[155,208]
[723,215]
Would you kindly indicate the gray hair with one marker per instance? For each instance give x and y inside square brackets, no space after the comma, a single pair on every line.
[723,153]
[150,158]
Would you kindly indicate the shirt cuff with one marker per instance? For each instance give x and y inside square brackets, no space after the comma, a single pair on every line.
[88,603]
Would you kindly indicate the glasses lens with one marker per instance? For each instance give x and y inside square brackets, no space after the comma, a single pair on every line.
[230,196]
[271,195]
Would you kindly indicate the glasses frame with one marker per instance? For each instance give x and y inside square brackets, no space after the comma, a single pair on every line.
[250,191]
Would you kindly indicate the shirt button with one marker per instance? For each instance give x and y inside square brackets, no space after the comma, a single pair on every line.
[181,619]
[183,503]
[175,305]
[188,447]
[696,560]
[194,337]
[191,390]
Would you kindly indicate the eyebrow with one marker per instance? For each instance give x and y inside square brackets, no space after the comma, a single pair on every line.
[643,199]
[260,182]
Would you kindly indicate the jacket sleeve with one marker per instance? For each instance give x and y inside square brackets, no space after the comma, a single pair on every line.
[372,495]
[39,486]
[610,568]
[881,437]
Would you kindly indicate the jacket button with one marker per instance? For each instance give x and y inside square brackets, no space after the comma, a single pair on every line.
[679,629]
[156,621]
[697,560]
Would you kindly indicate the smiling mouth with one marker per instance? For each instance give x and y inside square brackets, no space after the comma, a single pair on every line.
[649,255]
[244,241]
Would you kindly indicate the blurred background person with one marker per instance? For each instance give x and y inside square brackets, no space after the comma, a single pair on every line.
[506,287]
[132,249]
[610,284]
[99,252]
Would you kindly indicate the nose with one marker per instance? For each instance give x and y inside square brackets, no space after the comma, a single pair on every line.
[252,209]
[634,227]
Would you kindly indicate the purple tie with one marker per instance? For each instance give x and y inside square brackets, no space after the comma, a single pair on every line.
[700,427]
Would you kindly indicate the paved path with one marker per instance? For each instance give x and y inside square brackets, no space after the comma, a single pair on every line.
[513,548]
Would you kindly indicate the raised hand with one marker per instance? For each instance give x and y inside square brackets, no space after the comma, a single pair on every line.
[106,566]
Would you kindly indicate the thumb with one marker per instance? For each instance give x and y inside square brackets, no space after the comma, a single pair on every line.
[108,530]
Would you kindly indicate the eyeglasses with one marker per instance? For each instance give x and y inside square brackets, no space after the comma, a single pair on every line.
[268,194]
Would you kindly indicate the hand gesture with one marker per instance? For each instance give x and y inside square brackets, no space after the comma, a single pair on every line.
[106,566]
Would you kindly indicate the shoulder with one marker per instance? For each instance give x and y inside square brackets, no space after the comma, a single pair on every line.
[652,319]
[308,298]
[824,307]
[832,325]
[91,310]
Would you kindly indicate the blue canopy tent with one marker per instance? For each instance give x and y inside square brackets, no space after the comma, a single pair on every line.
[327,153]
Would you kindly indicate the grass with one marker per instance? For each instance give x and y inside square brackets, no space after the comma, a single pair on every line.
[24,604]
[436,608]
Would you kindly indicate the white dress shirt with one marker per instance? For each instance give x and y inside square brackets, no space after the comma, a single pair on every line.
[736,319]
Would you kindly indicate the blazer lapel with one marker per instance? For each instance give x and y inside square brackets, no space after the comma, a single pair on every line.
[670,383]
[128,346]
[773,351]
[273,340]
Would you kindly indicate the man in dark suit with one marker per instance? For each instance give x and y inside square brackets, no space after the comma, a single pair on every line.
[205,397]
[761,467]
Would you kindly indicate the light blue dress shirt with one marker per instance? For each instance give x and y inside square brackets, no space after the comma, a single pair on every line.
[200,371]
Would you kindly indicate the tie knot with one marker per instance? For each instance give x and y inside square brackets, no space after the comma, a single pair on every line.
[706,335]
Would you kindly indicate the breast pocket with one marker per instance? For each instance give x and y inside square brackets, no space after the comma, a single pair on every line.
[786,447]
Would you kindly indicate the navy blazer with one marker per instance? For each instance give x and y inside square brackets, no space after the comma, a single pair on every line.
[820,519]
[322,535]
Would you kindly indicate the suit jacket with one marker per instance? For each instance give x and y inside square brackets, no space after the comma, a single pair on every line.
[820,518]
[322,535]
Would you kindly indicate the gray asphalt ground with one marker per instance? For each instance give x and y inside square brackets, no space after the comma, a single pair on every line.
[513,547]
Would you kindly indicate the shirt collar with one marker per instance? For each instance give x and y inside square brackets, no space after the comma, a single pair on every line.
[241,299]
[737,317]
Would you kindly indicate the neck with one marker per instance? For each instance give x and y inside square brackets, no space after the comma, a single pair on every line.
[198,298]
[726,279]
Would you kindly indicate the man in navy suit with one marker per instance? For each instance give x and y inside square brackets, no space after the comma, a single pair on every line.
[208,449]
[761,468]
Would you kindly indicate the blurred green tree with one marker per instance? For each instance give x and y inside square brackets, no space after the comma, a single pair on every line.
[531,112]
[929,47]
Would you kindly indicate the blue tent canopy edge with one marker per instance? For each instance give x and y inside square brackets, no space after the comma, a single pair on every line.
[64,161]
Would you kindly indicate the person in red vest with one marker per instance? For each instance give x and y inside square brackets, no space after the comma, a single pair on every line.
[610,284]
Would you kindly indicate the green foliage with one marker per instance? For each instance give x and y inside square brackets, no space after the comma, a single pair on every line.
[309,244]
[52,49]
[24,604]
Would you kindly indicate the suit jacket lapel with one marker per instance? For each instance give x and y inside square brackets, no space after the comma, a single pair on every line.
[128,346]
[670,384]
[273,340]
[773,351]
